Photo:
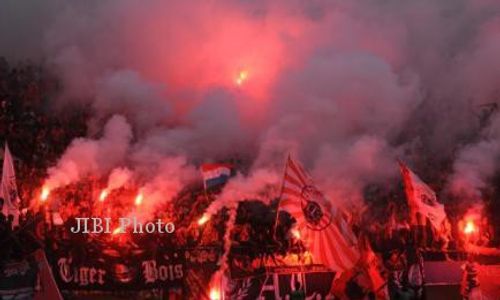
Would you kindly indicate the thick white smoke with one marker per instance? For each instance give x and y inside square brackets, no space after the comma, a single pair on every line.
[87,156]
[477,163]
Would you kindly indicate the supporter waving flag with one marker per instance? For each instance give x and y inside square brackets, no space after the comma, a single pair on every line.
[322,227]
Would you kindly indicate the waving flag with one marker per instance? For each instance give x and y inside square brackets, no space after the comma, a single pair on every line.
[215,174]
[322,227]
[421,198]
[8,188]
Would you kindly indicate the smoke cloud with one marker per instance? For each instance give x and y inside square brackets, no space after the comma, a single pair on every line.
[86,157]
[343,86]
[118,178]
[476,164]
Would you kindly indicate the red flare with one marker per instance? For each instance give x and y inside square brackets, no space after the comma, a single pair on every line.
[470,227]
[214,294]
[103,195]
[138,199]
[203,220]
[241,78]
[45,194]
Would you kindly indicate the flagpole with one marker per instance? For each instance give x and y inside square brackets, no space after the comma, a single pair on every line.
[280,195]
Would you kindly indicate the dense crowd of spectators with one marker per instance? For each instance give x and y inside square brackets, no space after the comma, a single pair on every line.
[38,136]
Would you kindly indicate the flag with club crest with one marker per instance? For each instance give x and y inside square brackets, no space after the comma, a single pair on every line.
[322,227]
[421,198]
[8,188]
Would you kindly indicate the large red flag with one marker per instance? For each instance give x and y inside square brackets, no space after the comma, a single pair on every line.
[322,227]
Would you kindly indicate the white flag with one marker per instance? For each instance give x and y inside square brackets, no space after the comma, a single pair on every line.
[421,198]
[8,188]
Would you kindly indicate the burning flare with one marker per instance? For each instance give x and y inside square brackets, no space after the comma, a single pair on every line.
[295,233]
[470,227]
[241,78]
[138,199]
[214,294]
[203,220]
[117,231]
[45,194]
[103,195]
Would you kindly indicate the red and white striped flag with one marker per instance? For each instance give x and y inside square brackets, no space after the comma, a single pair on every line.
[322,227]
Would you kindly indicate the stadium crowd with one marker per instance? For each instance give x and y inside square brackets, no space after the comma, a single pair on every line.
[38,136]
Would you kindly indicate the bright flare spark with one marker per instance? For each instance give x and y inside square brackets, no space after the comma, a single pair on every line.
[204,219]
[214,294]
[45,194]
[138,199]
[117,231]
[241,78]
[103,195]
[470,227]
[295,233]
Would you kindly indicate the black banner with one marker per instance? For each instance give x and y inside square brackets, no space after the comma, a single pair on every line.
[110,271]
[177,269]
[165,270]
[280,282]
[18,277]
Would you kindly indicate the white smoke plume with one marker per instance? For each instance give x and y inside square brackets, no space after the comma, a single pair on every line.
[96,157]
[118,178]
[476,164]
[260,184]
[170,176]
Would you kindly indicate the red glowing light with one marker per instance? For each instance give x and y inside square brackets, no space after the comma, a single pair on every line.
[138,199]
[214,294]
[295,233]
[103,195]
[241,78]
[203,220]
[470,227]
[45,194]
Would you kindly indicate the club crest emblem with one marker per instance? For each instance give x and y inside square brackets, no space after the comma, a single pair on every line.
[317,217]
[427,200]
